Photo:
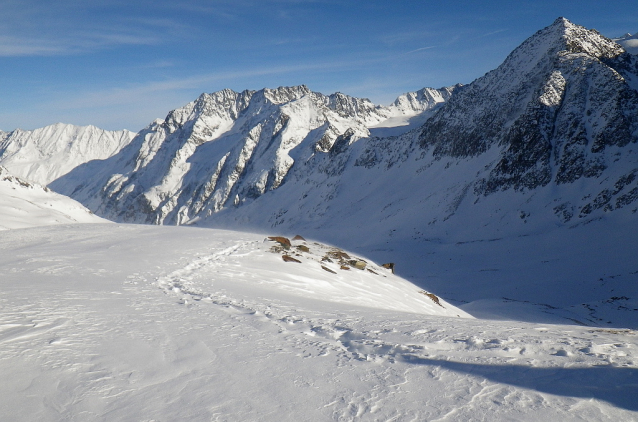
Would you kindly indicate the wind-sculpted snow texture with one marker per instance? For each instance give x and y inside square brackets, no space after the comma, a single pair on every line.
[45,154]
[225,149]
[141,323]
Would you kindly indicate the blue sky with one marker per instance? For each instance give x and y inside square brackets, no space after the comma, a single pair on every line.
[120,63]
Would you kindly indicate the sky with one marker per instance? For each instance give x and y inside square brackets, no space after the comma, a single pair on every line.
[119,64]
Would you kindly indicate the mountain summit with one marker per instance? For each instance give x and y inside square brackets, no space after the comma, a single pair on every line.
[554,109]
[227,148]
[538,154]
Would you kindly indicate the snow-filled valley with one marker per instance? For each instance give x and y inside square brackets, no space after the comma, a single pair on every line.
[125,322]
[465,253]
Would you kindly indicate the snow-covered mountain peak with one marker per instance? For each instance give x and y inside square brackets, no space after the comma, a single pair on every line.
[42,155]
[229,148]
[558,65]
[548,45]
[629,42]
[208,109]
[578,39]
[421,100]
[284,94]
[213,109]
[347,106]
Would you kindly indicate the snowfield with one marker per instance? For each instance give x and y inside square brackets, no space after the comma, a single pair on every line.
[485,271]
[140,323]
[28,204]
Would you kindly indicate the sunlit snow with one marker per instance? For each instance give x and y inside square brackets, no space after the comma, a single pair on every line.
[27,204]
[520,304]
[130,323]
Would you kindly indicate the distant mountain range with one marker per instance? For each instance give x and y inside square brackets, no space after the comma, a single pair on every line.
[45,154]
[547,141]
[559,114]
[227,149]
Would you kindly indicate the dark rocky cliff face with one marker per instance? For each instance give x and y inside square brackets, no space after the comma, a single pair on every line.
[553,108]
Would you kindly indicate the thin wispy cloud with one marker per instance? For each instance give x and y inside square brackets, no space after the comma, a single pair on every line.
[119,58]
[79,42]
[37,28]
[93,39]
[493,33]
[153,23]
[13,46]
[397,38]
[420,49]
[160,64]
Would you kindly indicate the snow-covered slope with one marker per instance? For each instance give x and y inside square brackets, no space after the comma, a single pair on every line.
[26,204]
[44,154]
[130,323]
[541,149]
[227,148]
[517,199]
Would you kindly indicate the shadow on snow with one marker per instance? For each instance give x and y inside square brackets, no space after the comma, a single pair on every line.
[615,385]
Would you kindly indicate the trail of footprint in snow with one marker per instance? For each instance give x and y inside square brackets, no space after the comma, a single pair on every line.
[179,280]
[313,338]
[332,337]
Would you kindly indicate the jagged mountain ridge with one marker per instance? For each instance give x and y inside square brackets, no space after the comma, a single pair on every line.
[557,120]
[227,148]
[560,110]
[43,155]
